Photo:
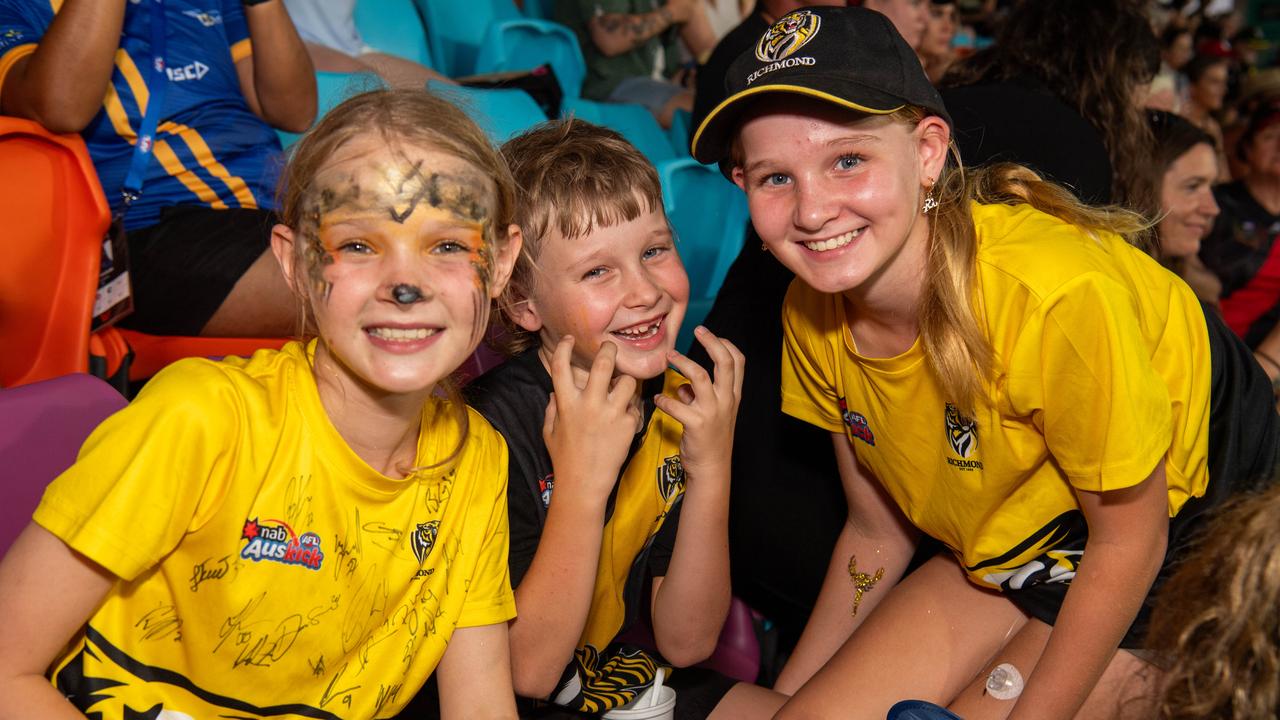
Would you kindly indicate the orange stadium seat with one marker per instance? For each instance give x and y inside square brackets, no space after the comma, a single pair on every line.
[55,218]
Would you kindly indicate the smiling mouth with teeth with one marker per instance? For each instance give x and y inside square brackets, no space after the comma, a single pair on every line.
[402,334]
[640,332]
[838,241]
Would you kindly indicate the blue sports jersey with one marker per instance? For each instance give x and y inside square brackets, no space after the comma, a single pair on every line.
[211,149]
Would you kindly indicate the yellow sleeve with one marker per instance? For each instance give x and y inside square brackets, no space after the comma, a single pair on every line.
[809,368]
[1081,369]
[137,485]
[489,597]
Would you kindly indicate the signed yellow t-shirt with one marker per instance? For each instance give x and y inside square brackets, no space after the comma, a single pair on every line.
[264,569]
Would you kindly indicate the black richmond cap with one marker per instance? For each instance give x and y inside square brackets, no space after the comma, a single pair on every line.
[849,56]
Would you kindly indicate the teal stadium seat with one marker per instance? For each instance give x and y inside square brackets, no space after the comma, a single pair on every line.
[710,217]
[681,132]
[523,44]
[331,89]
[456,29]
[394,27]
[501,113]
[634,122]
[539,9]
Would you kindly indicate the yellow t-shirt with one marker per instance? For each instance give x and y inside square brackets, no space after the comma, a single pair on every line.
[264,569]
[1103,369]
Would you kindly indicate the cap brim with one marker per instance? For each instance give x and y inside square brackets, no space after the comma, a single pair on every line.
[710,142]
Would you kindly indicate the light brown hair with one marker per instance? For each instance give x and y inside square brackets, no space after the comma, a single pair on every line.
[399,117]
[1217,620]
[571,177]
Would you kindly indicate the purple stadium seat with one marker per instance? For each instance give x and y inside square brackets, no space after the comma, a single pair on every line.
[42,426]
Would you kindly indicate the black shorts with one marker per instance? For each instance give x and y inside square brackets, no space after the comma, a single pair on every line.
[184,266]
[1244,445]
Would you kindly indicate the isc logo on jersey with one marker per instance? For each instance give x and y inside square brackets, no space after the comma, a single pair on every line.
[192,71]
[962,436]
[274,540]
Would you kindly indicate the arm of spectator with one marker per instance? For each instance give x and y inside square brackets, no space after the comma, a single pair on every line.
[83,37]
[617,33]
[475,674]
[47,592]
[277,80]
[881,539]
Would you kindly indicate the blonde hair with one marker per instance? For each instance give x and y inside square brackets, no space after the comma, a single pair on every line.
[571,177]
[412,117]
[1217,620]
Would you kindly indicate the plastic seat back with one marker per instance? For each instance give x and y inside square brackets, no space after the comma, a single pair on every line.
[394,27]
[539,9]
[455,30]
[42,426]
[710,217]
[501,113]
[331,89]
[523,44]
[634,122]
[55,219]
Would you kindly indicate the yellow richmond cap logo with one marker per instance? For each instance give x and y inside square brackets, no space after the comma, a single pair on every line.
[787,36]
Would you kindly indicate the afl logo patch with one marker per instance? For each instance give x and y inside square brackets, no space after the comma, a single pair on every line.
[671,478]
[423,539]
[787,36]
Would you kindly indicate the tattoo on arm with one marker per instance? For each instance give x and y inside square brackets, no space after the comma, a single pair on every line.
[862,582]
[636,29]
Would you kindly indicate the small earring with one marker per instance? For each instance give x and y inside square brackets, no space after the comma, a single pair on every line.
[929,203]
[764,247]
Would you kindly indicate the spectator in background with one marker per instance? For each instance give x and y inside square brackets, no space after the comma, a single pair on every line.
[328,28]
[772,533]
[1216,623]
[935,49]
[1242,248]
[1169,89]
[1206,91]
[632,49]
[1184,167]
[1070,72]
[198,234]
[908,16]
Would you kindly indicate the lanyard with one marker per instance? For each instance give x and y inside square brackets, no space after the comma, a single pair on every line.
[151,118]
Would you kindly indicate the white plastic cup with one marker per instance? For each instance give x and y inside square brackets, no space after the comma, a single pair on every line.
[657,702]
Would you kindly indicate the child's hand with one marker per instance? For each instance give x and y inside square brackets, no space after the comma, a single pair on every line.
[588,430]
[707,408]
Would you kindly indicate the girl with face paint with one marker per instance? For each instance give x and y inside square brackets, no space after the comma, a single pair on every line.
[317,528]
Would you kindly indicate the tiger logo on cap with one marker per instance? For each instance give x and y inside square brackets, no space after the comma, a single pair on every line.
[787,36]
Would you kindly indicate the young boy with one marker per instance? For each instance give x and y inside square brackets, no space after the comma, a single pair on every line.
[608,448]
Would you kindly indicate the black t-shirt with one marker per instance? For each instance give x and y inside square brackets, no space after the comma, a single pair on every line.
[1242,238]
[710,91]
[513,398]
[1023,123]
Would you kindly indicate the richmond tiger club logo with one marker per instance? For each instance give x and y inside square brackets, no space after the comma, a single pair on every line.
[671,478]
[783,40]
[857,424]
[274,540]
[422,540]
[962,436]
[787,36]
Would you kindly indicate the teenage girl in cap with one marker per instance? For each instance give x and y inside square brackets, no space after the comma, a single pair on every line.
[999,368]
